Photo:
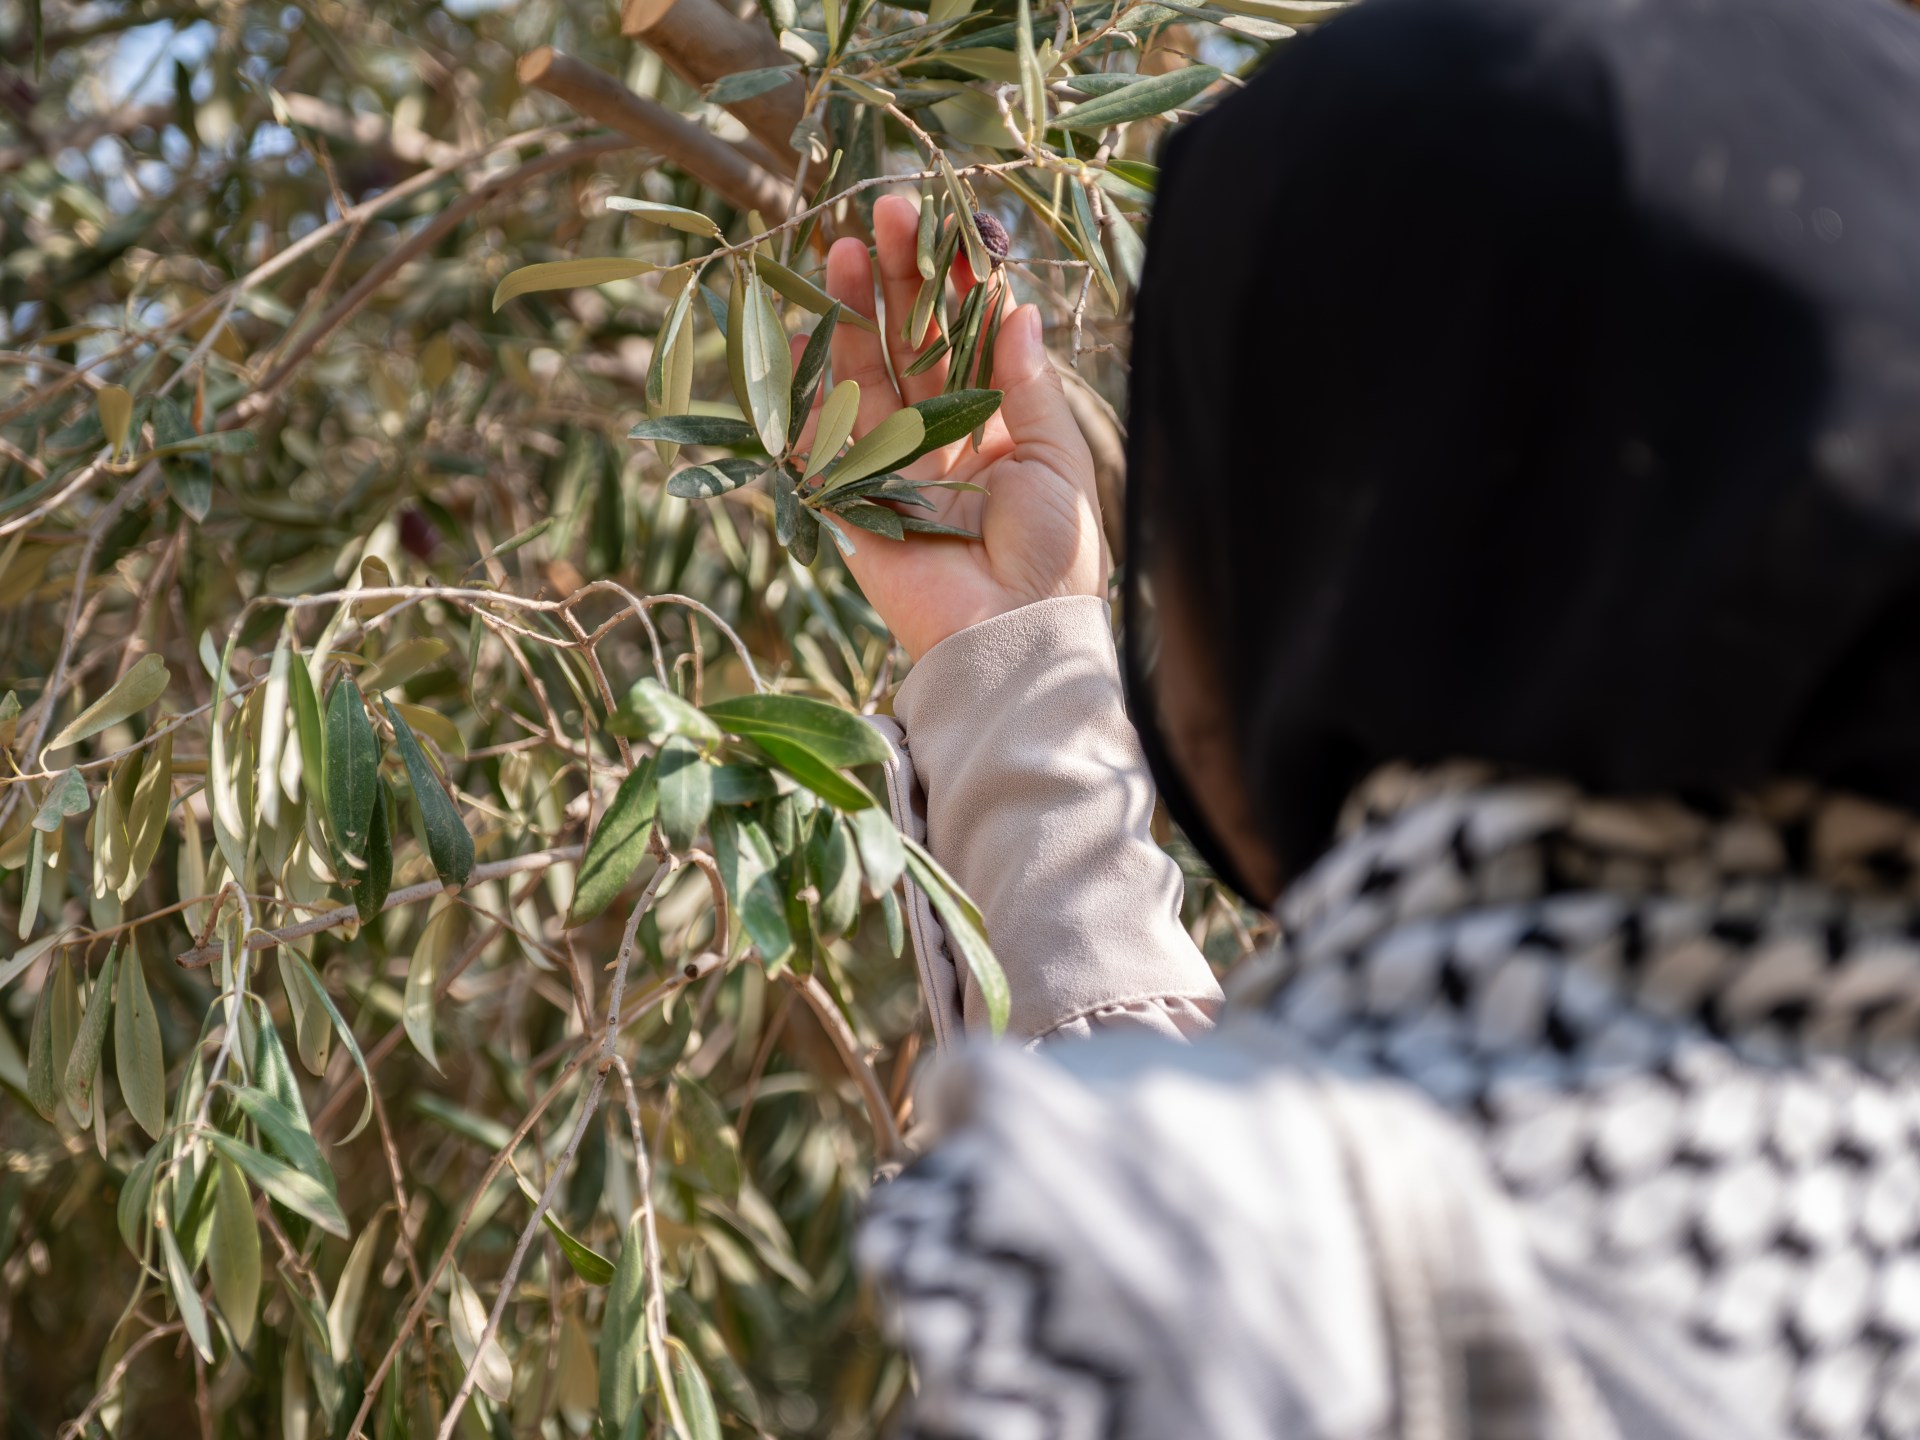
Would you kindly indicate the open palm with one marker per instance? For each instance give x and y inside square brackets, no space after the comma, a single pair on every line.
[1038,519]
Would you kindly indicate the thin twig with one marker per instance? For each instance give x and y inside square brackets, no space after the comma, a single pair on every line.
[656,1300]
[507,1281]
[78,1425]
[417,243]
[887,1143]
[565,1162]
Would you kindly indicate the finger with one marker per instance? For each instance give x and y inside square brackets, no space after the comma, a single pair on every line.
[857,353]
[1034,402]
[896,234]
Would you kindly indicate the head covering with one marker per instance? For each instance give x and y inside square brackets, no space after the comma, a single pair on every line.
[1538,381]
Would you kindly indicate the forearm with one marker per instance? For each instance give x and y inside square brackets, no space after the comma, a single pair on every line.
[1038,803]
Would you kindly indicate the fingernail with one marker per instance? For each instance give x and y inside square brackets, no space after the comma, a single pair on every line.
[1026,321]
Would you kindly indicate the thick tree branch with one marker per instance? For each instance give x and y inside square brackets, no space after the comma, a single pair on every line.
[701,42]
[699,152]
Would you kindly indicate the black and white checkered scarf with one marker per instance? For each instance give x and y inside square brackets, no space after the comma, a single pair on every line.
[1668,1052]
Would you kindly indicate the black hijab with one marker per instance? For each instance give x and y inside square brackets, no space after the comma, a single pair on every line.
[1538,381]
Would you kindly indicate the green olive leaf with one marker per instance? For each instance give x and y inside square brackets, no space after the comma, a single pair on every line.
[352,771]
[139,1061]
[952,417]
[623,1343]
[766,366]
[675,216]
[618,844]
[696,430]
[295,1189]
[186,1297]
[566,275]
[1147,96]
[445,833]
[145,682]
[715,477]
[684,781]
[233,1256]
[837,414]
[749,871]
[884,447]
[964,927]
[90,1042]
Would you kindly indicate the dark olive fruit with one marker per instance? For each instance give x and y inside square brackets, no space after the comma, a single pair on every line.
[419,536]
[993,235]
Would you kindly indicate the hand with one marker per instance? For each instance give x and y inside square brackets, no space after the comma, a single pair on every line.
[1039,521]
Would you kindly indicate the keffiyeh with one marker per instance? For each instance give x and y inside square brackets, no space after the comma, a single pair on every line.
[1574,1116]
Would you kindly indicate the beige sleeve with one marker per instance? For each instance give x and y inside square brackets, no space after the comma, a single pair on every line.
[1037,800]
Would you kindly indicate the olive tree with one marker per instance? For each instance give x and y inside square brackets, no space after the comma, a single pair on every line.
[454,918]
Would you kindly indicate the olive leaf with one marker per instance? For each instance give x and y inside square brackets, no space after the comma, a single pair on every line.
[143,684]
[810,371]
[766,366]
[826,731]
[670,373]
[684,781]
[623,1346]
[714,1148]
[295,1189]
[189,476]
[430,953]
[90,1042]
[653,712]
[676,216]
[875,519]
[964,927]
[1146,96]
[837,414]
[818,776]
[716,477]
[749,871]
[914,525]
[147,815]
[233,1256]
[186,1298]
[67,796]
[952,417]
[139,1060]
[375,877]
[566,275]
[883,856]
[885,446]
[690,1386]
[618,843]
[696,430]
[352,770]
[745,84]
[445,833]
[467,1318]
[589,1264]
[927,237]
[42,1063]
[115,405]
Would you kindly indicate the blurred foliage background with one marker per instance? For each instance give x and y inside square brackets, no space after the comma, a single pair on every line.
[314,565]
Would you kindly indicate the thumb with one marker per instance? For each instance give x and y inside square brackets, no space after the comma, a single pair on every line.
[1034,403]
